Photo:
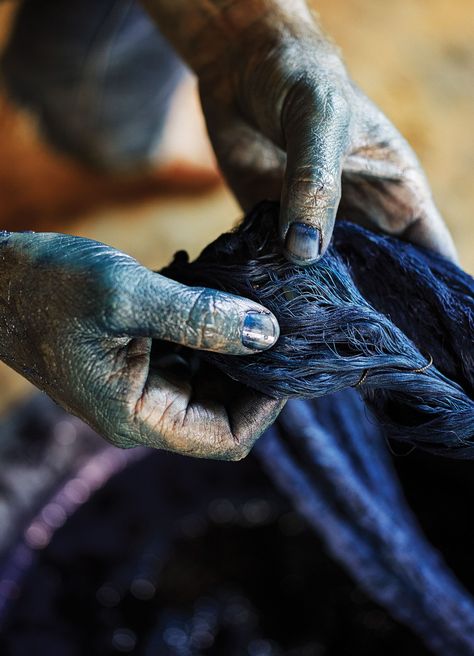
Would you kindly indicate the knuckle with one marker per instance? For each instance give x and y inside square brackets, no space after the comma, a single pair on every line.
[336,104]
[115,309]
[314,187]
[239,453]
[239,446]
[232,452]
[118,287]
[207,325]
[323,95]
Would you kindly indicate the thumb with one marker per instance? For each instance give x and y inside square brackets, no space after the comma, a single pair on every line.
[316,129]
[196,317]
[252,164]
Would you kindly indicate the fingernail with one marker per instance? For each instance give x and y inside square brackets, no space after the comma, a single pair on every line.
[303,242]
[260,331]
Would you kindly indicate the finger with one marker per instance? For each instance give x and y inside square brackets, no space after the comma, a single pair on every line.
[168,416]
[316,129]
[197,317]
[398,203]
[251,163]
[384,184]
[430,231]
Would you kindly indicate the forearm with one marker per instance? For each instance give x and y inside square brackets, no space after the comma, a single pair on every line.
[204,30]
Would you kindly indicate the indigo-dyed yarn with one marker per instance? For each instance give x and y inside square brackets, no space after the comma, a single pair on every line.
[391,319]
[330,458]
[397,323]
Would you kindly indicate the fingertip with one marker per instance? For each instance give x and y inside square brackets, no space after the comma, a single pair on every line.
[260,330]
[431,232]
[303,243]
[306,239]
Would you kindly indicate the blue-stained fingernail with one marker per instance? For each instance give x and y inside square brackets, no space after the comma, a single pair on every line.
[260,331]
[303,243]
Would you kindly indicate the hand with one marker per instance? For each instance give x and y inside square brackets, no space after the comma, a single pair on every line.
[77,318]
[286,121]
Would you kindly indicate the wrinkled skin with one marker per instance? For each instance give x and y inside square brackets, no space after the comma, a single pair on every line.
[77,318]
[289,123]
[286,122]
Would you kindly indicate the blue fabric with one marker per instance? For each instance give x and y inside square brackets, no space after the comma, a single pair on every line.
[373,314]
[330,458]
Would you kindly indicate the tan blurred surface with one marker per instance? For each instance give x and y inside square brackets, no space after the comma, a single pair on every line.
[415,58]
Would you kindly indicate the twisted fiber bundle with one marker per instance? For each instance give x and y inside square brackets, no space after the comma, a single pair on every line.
[334,465]
[397,323]
[375,313]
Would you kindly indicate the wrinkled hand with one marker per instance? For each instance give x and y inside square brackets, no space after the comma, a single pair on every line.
[286,121]
[78,319]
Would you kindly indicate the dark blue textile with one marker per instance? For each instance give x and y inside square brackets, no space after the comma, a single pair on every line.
[330,458]
[396,322]
[373,313]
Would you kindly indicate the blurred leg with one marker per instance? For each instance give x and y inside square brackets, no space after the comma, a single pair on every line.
[96,73]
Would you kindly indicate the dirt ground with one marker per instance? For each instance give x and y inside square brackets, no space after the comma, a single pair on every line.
[415,58]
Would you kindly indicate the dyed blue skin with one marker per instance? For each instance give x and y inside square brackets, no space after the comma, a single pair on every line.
[287,123]
[77,318]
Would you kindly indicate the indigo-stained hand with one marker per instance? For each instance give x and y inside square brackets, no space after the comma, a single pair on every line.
[286,121]
[92,328]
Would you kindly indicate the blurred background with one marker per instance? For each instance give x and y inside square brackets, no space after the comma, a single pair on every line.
[415,58]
